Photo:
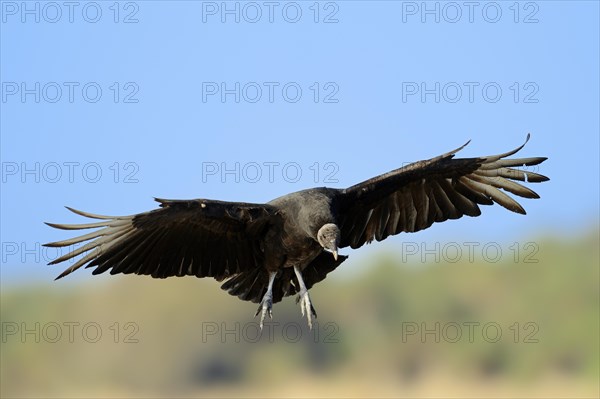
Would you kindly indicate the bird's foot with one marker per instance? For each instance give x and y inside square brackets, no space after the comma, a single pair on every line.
[306,307]
[266,306]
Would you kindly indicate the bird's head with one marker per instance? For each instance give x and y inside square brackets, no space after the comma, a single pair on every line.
[329,238]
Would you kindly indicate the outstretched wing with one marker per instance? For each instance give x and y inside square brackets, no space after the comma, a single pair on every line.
[413,197]
[203,238]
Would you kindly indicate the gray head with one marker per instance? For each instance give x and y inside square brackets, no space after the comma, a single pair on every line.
[329,238]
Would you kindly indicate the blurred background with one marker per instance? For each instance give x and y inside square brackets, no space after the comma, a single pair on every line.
[105,105]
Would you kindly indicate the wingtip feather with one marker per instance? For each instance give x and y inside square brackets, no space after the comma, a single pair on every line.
[459,148]
[520,210]
[55,225]
[63,274]
[90,215]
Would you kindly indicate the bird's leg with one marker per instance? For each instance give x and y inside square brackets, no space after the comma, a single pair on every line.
[266,305]
[304,299]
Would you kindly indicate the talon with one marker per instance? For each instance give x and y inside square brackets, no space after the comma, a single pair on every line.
[265,307]
[304,299]
[307,308]
[302,307]
[266,304]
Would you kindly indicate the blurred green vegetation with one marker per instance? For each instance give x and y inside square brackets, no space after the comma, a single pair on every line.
[186,337]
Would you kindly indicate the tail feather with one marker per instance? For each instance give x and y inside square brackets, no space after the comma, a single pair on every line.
[252,285]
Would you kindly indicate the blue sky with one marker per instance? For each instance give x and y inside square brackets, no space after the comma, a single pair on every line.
[104,106]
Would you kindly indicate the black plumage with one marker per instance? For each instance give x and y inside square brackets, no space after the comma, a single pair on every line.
[265,252]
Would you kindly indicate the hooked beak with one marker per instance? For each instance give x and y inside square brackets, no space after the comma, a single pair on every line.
[335,254]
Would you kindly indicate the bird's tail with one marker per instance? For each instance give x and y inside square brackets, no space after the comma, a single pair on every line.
[248,286]
[252,285]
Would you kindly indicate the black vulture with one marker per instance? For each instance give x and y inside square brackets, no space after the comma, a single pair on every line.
[265,252]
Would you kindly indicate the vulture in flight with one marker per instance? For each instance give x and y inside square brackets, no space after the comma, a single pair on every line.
[264,252]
